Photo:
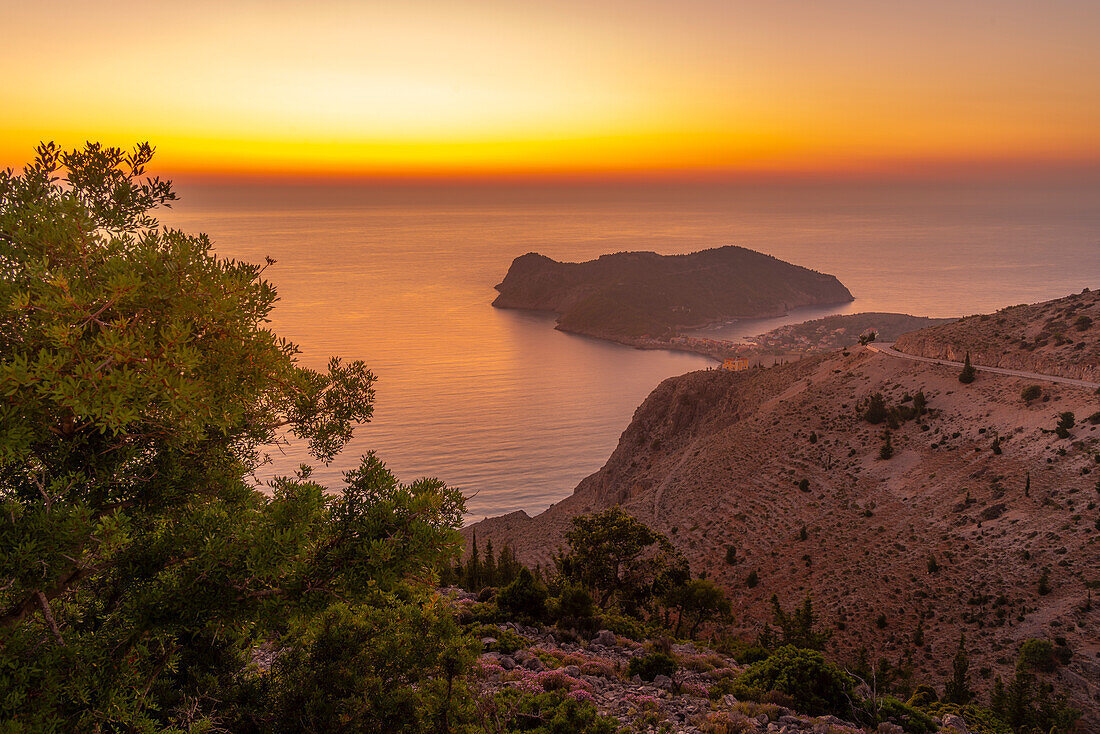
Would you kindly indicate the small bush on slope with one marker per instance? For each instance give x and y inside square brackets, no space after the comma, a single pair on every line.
[813,685]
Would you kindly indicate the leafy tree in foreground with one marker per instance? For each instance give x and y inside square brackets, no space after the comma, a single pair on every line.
[139,566]
[696,602]
[618,557]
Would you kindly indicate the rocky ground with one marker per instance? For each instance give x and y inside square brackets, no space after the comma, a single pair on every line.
[596,671]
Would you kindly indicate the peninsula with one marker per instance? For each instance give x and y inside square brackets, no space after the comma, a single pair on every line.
[629,296]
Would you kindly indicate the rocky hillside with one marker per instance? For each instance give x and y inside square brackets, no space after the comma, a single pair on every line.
[981,521]
[634,294]
[1060,337]
[596,671]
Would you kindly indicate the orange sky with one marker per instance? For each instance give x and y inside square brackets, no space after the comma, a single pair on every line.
[571,87]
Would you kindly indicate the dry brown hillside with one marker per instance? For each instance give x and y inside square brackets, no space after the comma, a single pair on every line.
[714,459]
[1060,337]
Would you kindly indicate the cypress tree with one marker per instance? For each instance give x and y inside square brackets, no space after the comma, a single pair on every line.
[489,568]
[876,410]
[473,568]
[920,403]
[957,689]
[887,449]
[507,566]
[967,375]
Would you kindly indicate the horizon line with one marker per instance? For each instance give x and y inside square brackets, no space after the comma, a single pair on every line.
[888,172]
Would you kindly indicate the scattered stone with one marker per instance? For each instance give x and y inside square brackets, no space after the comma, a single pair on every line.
[955,724]
[634,703]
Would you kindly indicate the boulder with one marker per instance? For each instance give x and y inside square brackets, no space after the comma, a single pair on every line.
[955,724]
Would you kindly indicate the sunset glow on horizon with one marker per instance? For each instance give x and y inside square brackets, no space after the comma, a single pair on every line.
[493,88]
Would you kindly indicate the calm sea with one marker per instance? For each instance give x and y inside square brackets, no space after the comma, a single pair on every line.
[515,413]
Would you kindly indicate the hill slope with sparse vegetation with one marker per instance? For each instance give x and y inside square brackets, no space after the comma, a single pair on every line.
[913,507]
[1059,337]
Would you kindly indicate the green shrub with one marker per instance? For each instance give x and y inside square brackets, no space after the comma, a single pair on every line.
[1037,655]
[507,641]
[648,667]
[1044,584]
[523,599]
[923,695]
[751,654]
[552,712]
[622,625]
[1031,392]
[575,605]
[909,718]
[815,686]
[397,668]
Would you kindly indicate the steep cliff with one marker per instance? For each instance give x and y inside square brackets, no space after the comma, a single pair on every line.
[638,293]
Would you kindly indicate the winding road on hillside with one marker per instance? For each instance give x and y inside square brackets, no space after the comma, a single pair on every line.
[888,348]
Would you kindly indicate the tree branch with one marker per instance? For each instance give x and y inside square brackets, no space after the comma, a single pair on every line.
[15,613]
[48,614]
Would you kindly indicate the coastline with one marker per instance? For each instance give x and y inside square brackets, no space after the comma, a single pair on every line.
[718,350]
[781,344]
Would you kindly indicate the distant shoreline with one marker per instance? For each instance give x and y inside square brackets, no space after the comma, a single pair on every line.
[792,341]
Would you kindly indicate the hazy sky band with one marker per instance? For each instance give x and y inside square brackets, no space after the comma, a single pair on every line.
[565,88]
